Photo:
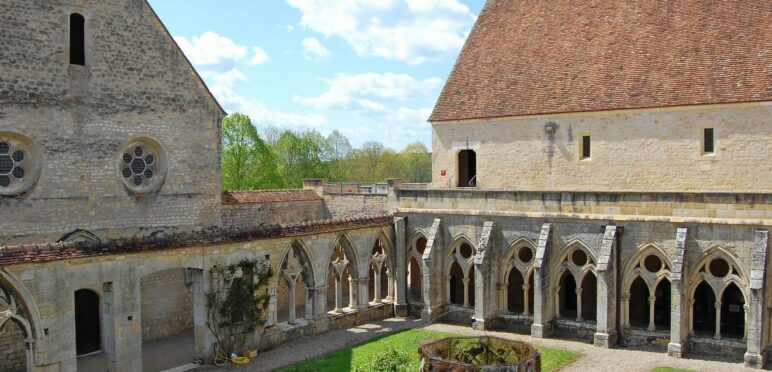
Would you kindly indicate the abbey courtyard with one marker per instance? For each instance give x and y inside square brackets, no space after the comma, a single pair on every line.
[600,173]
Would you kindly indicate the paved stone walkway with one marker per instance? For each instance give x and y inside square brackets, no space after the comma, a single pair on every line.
[593,358]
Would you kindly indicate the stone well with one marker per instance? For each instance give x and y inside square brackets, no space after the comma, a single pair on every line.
[479,354]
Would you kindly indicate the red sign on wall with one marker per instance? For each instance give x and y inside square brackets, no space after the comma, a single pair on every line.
[443,173]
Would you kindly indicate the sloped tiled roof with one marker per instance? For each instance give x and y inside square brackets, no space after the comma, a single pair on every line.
[538,57]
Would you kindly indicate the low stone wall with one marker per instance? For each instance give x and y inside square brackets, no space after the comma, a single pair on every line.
[573,329]
[12,354]
[255,214]
[641,338]
[167,304]
[283,332]
[356,205]
[513,323]
[459,315]
[719,349]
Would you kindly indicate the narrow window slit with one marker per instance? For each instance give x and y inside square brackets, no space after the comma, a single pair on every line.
[77,39]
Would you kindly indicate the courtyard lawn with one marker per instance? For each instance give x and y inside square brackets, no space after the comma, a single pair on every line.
[408,341]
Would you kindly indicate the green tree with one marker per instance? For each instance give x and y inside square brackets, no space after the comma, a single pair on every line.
[340,150]
[300,157]
[247,162]
[418,163]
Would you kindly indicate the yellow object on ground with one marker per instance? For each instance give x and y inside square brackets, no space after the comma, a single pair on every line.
[240,360]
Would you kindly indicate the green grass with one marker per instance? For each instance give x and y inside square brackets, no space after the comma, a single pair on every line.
[408,341]
[671,369]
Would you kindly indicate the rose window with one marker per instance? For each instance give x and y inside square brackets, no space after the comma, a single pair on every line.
[17,172]
[142,166]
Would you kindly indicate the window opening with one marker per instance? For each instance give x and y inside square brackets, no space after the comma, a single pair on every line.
[586,147]
[77,39]
[709,145]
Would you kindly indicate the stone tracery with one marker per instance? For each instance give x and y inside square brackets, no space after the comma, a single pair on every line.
[646,289]
[575,289]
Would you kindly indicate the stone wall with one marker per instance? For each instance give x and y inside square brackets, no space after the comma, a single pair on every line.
[12,353]
[356,205]
[136,84]
[167,304]
[634,150]
[254,214]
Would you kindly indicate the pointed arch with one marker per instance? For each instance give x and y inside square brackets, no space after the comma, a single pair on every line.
[512,258]
[412,247]
[301,251]
[27,312]
[344,241]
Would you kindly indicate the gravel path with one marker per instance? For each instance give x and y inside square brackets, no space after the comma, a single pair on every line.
[592,359]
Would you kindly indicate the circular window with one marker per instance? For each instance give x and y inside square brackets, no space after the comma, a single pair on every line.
[142,165]
[525,254]
[579,258]
[652,263]
[719,267]
[465,250]
[18,168]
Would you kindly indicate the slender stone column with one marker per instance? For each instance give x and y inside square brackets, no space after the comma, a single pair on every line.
[378,260]
[339,266]
[526,287]
[579,317]
[625,298]
[390,285]
[718,320]
[291,275]
[466,292]
[755,355]
[746,308]
[652,299]
[352,299]
[557,302]
[399,287]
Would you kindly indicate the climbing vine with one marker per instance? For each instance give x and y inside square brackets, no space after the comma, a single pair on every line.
[237,301]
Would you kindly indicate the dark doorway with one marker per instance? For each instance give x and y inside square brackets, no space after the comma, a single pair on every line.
[639,304]
[467,168]
[589,297]
[77,39]
[470,286]
[456,284]
[732,312]
[704,310]
[515,300]
[662,305]
[87,324]
[567,295]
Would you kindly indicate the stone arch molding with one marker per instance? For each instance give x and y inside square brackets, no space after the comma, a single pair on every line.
[564,262]
[636,268]
[454,255]
[512,261]
[411,248]
[352,260]
[295,263]
[16,306]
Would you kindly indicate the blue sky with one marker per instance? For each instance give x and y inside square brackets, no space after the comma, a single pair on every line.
[370,68]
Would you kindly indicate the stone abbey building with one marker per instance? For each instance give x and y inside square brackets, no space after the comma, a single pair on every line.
[600,171]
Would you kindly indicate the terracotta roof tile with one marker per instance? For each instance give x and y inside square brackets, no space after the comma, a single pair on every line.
[268,196]
[536,57]
[11,255]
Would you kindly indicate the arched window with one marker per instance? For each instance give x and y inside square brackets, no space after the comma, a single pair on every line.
[467,168]
[77,39]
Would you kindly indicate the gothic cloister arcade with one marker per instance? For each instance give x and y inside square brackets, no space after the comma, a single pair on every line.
[576,287]
[646,290]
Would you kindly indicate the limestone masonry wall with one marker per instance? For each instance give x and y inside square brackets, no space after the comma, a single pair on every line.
[136,83]
[253,214]
[635,150]
[12,356]
[356,205]
[167,304]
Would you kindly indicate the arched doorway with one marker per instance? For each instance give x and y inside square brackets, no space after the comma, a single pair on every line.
[639,303]
[704,310]
[662,305]
[567,296]
[88,337]
[732,312]
[515,294]
[456,284]
[467,168]
[589,297]
[414,281]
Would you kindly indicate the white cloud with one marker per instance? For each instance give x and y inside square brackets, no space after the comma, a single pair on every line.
[413,31]
[211,49]
[260,56]
[313,49]
[225,79]
[362,91]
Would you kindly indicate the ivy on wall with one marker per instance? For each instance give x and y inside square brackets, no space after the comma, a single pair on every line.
[237,301]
